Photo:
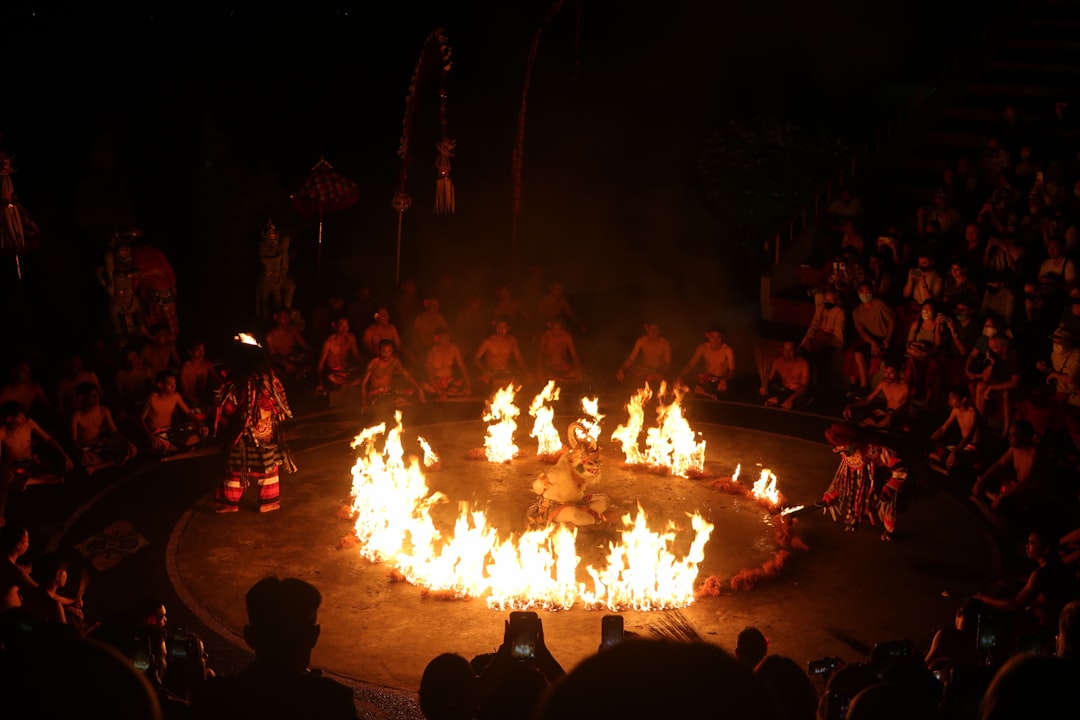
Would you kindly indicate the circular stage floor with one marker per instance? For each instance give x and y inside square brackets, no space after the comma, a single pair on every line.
[837,598]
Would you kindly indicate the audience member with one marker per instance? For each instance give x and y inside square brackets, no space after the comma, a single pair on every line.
[282,630]
[790,686]
[875,325]
[1037,606]
[670,678]
[751,646]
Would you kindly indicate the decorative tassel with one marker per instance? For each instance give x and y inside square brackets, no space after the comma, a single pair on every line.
[444,186]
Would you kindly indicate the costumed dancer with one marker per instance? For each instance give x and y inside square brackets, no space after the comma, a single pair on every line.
[561,495]
[853,495]
[252,407]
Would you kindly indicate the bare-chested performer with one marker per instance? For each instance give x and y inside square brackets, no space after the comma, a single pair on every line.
[289,352]
[23,389]
[160,353]
[494,357]
[101,444]
[199,379]
[650,359]
[719,361]
[337,351]
[968,421]
[557,358]
[18,434]
[377,384]
[169,434]
[788,383]
[446,373]
[425,325]
[896,393]
[381,329]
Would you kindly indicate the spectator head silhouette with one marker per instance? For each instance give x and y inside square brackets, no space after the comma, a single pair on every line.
[55,673]
[891,701]
[789,684]
[282,624]
[444,688]
[842,686]
[669,679]
[1031,686]
[751,646]
[1068,639]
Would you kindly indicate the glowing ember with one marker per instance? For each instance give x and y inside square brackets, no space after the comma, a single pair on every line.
[671,444]
[787,511]
[499,444]
[430,458]
[765,488]
[392,507]
[548,439]
[591,421]
[735,475]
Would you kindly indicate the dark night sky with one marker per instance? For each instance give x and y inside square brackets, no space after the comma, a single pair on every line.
[609,159]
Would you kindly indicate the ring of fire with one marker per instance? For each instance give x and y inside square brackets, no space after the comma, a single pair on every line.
[457,551]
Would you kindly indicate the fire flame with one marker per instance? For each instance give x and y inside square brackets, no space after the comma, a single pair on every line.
[392,509]
[765,488]
[430,458]
[627,435]
[548,439]
[591,421]
[499,444]
[671,444]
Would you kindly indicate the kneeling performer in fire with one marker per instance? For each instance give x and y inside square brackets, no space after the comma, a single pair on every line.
[561,491]
[865,458]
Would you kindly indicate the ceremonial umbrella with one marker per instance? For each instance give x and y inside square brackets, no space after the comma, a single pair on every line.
[324,190]
[18,233]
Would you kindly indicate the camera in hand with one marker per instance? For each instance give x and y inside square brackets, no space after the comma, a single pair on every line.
[824,666]
[524,634]
[612,631]
[892,649]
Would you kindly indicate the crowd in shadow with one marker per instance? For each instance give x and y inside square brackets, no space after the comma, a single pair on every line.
[958,332]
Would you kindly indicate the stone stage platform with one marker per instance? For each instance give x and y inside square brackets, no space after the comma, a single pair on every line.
[837,598]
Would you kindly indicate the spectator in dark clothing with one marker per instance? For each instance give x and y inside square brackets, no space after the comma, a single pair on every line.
[282,629]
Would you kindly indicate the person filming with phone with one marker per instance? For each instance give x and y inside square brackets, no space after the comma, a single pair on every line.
[511,681]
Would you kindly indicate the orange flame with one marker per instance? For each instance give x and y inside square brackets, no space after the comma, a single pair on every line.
[765,488]
[671,444]
[393,524]
[499,444]
[591,421]
[548,440]
[430,458]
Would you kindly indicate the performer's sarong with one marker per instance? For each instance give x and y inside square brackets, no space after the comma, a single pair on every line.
[250,462]
[449,385]
[177,438]
[709,383]
[105,452]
